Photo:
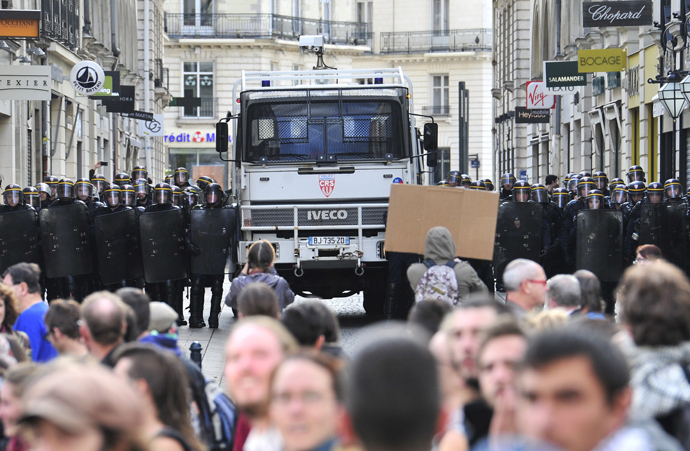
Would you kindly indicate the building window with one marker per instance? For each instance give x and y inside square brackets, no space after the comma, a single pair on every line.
[198,82]
[440,15]
[440,95]
[198,13]
[365,13]
[296,67]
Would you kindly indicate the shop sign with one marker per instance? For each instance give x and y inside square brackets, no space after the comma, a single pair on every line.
[154,127]
[87,77]
[537,97]
[617,14]
[525,116]
[603,60]
[559,74]
[25,82]
[19,23]
[193,138]
[140,115]
[124,103]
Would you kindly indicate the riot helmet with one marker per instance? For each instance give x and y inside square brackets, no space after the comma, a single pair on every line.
[673,189]
[619,195]
[129,197]
[176,196]
[43,191]
[561,197]
[31,197]
[190,197]
[601,180]
[65,189]
[595,200]
[443,183]
[636,192]
[84,189]
[181,176]
[122,179]
[113,195]
[635,174]
[141,188]
[521,191]
[99,181]
[52,182]
[13,195]
[214,194]
[655,192]
[584,186]
[203,182]
[162,193]
[572,184]
[507,181]
[489,184]
[539,193]
[140,172]
[584,174]
[169,179]
[566,180]
[454,178]
[465,180]
[615,182]
[478,185]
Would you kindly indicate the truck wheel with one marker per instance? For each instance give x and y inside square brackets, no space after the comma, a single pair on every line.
[374,299]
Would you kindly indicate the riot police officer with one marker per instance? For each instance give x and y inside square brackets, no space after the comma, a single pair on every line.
[521,191]
[584,174]
[614,183]
[631,213]
[489,184]
[619,197]
[560,197]
[140,173]
[478,185]
[443,183]
[141,187]
[584,186]
[45,194]
[465,180]
[177,196]
[601,181]
[673,191]
[65,194]
[99,182]
[636,174]
[566,181]
[595,200]
[181,178]
[170,180]
[454,178]
[113,201]
[214,200]
[31,197]
[14,199]
[85,192]
[551,212]
[203,182]
[52,182]
[129,198]
[123,179]
[572,186]
[507,182]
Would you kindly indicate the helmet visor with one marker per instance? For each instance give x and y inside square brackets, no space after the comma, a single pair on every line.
[32,199]
[112,198]
[99,184]
[181,177]
[673,192]
[561,200]
[595,203]
[601,183]
[13,197]
[83,191]
[584,189]
[507,180]
[619,197]
[655,197]
[636,176]
[540,195]
[162,196]
[139,174]
[129,198]
[521,195]
[177,198]
[212,197]
[191,200]
[65,191]
[572,185]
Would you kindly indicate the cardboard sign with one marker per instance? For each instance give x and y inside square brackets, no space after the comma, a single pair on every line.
[469,215]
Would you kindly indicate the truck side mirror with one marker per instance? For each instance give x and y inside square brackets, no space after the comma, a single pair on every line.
[431,136]
[432,159]
[222,137]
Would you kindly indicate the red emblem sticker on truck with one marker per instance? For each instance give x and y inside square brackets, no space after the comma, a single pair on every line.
[327,184]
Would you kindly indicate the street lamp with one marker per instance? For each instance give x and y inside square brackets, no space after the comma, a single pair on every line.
[673,97]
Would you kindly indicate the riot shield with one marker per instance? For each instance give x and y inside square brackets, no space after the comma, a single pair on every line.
[664,226]
[117,244]
[65,236]
[212,230]
[599,243]
[518,234]
[163,246]
[18,238]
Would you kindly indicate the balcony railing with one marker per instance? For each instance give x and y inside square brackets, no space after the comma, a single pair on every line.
[205,111]
[437,41]
[257,26]
[436,110]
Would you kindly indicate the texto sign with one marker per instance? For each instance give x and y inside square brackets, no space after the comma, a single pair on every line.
[604,60]
[538,98]
[616,14]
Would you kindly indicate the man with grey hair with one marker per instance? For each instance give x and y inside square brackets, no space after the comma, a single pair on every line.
[525,285]
[564,292]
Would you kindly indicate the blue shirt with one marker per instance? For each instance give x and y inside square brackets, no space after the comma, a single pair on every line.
[31,322]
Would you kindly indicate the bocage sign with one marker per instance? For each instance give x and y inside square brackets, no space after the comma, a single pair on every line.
[617,14]
[560,74]
[87,78]
[604,60]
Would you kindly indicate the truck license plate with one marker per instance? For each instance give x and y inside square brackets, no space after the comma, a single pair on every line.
[329,240]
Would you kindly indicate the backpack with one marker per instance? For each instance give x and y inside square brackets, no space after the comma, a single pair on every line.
[438,282]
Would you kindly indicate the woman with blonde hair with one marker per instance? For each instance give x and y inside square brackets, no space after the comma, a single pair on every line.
[259,268]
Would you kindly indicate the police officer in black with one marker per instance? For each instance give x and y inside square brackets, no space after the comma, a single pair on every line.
[619,197]
[584,186]
[522,193]
[31,197]
[99,182]
[654,195]
[181,178]
[45,194]
[14,200]
[123,179]
[203,182]
[52,182]
[507,182]
[601,181]
[489,184]
[85,191]
[560,198]
[113,204]
[139,173]
[143,193]
[673,191]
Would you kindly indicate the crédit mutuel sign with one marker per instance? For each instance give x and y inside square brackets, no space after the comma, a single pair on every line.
[617,14]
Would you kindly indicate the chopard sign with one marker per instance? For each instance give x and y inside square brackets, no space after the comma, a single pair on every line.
[616,14]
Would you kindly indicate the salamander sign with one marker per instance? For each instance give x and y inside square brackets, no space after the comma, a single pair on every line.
[559,74]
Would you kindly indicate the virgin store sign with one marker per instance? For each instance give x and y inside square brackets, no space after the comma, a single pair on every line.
[538,98]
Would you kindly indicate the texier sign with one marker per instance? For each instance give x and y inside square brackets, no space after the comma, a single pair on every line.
[537,96]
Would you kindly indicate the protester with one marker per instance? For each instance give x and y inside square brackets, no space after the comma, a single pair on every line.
[439,250]
[62,322]
[429,314]
[306,401]
[574,394]
[306,323]
[592,304]
[258,299]
[104,325]
[85,407]
[162,330]
[393,401]
[19,341]
[564,292]
[259,268]
[14,385]
[255,348]
[525,285]
[647,253]
[161,384]
[138,301]
[24,278]
[655,303]
[331,331]
[546,319]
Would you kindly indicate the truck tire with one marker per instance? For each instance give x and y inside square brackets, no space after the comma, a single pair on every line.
[374,299]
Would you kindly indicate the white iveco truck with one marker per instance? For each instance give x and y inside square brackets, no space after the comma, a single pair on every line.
[312,162]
